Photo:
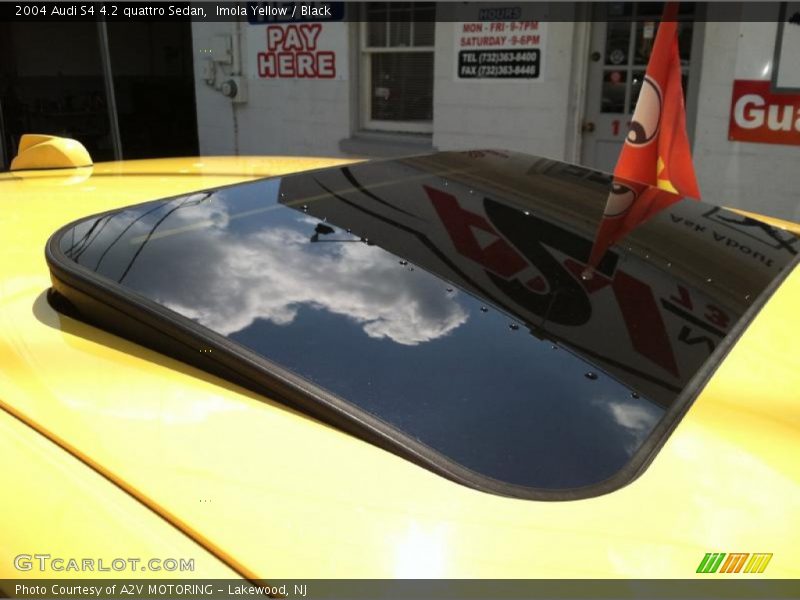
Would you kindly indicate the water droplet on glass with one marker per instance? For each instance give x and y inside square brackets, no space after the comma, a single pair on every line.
[484,309]
[708,280]
[553,347]
[403,262]
[590,375]
[472,191]
[513,327]
[283,195]
[634,395]
[349,230]
[410,268]
[527,213]
[449,290]
[305,208]
[669,264]
[747,296]
[647,256]
[587,274]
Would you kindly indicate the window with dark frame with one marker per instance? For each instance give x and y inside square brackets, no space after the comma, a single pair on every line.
[397,43]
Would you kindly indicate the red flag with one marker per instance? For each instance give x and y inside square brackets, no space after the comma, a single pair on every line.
[656,150]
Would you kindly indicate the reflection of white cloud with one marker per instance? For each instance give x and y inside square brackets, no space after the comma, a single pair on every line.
[633,417]
[268,274]
[636,416]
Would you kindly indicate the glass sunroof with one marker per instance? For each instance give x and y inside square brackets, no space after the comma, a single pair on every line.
[442,296]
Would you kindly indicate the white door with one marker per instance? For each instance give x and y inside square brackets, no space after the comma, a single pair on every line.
[618,55]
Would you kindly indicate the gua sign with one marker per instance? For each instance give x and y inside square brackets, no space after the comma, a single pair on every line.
[292,52]
[762,116]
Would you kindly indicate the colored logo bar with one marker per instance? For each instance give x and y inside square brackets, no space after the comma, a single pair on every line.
[735,562]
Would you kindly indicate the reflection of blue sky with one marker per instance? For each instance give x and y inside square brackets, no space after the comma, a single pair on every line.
[237,201]
[271,274]
[350,318]
[239,256]
[496,400]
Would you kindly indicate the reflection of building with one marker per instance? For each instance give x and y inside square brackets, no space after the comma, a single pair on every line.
[520,240]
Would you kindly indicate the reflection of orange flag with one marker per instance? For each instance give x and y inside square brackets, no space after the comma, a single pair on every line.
[656,150]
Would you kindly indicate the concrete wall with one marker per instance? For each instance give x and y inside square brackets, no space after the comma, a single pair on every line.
[280,116]
[216,122]
[757,177]
[515,115]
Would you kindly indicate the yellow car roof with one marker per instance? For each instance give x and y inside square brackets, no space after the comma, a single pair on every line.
[278,494]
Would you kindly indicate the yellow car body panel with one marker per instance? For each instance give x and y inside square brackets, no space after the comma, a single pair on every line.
[65,509]
[280,495]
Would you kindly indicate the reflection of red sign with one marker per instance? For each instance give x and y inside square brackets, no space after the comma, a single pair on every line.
[758,115]
[495,254]
[636,300]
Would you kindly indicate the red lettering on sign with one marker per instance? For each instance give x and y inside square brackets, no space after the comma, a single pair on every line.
[310,34]
[286,62]
[274,36]
[292,39]
[305,64]
[683,298]
[292,52]
[717,316]
[758,115]
[266,64]
[326,64]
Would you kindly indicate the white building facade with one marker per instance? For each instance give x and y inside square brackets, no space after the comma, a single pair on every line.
[560,86]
